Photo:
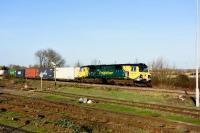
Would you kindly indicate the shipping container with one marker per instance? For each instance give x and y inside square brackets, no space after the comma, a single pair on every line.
[2,72]
[68,73]
[48,73]
[20,73]
[31,73]
[76,74]
[5,72]
[12,72]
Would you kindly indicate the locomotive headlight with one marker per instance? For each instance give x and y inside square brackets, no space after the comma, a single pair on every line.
[149,77]
[139,78]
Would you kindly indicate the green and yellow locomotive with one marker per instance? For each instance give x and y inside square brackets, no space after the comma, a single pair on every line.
[118,73]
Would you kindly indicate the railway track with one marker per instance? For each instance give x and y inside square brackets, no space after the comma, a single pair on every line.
[117,87]
[72,83]
[8,129]
[129,88]
[178,110]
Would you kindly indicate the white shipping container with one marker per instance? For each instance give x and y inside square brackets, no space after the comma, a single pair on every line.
[2,72]
[67,73]
[76,70]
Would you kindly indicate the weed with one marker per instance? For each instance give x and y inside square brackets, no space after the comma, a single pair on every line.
[68,123]
[1,101]
[20,81]
[3,110]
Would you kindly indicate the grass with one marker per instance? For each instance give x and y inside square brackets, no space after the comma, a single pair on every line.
[6,119]
[129,110]
[56,98]
[148,112]
[183,119]
[125,109]
[69,124]
[137,96]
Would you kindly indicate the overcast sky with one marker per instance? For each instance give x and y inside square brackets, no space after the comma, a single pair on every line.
[113,31]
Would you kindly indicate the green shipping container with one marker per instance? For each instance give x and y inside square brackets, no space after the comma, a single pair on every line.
[12,72]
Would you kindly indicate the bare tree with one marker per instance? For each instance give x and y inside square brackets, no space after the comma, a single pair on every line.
[40,54]
[45,57]
[34,66]
[95,62]
[78,64]
[159,64]
[162,73]
[3,68]
[16,66]
[136,60]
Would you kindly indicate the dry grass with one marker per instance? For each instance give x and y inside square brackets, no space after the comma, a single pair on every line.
[172,79]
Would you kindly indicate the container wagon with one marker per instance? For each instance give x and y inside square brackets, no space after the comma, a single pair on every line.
[2,72]
[118,74]
[31,73]
[48,73]
[20,73]
[12,72]
[66,73]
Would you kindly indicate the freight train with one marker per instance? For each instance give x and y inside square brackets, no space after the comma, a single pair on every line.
[120,74]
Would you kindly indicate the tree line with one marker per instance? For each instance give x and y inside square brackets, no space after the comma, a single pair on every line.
[45,57]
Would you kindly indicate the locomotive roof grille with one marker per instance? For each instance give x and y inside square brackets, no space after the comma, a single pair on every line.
[138,64]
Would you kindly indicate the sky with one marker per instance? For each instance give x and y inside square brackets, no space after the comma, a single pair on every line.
[112,31]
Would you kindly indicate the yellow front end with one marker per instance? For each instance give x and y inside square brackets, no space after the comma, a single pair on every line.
[84,72]
[135,73]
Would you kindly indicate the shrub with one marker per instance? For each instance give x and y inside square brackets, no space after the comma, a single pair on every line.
[162,77]
[69,124]
[182,81]
[20,81]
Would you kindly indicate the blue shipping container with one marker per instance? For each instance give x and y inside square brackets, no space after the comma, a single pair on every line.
[5,72]
[20,73]
[48,73]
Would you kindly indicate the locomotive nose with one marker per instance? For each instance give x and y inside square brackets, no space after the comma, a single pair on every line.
[149,77]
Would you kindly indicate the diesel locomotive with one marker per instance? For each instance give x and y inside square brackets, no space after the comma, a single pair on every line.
[118,73]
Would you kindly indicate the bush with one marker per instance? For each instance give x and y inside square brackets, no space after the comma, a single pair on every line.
[170,80]
[69,124]
[162,77]
[20,81]
[182,81]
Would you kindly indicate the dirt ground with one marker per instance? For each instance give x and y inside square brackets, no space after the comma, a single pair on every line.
[86,119]
[42,115]
[7,129]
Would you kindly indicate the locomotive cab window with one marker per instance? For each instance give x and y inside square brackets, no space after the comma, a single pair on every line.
[143,69]
[133,69]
